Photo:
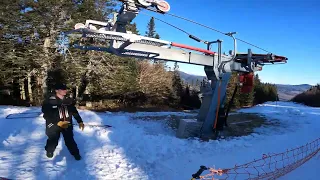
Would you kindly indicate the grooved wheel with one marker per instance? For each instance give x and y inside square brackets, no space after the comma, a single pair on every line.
[79,25]
[144,3]
[163,6]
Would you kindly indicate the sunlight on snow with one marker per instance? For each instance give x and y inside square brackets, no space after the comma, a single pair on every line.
[6,163]
[14,140]
[29,162]
[38,134]
[93,118]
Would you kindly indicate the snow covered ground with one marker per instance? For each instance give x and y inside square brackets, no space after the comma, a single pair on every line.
[136,149]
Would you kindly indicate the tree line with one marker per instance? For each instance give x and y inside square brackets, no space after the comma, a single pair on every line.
[30,64]
[311,97]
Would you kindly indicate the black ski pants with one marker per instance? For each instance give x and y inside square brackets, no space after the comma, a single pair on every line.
[53,141]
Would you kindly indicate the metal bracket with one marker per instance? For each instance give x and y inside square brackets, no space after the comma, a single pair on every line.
[216,63]
[124,45]
[219,66]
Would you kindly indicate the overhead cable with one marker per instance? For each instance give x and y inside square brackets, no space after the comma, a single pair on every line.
[205,26]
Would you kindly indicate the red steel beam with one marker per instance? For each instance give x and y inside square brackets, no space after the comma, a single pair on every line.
[192,48]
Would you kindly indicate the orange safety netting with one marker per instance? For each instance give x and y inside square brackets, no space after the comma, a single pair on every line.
[270,166]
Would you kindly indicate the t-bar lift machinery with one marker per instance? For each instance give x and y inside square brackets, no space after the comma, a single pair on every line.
[114,38]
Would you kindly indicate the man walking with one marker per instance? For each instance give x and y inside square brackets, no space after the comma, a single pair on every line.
[58,111]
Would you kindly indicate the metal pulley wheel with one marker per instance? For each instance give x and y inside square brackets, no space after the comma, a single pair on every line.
[163,6]
[79,25]
[145,3]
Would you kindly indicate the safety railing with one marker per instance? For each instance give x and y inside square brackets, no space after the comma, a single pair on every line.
[270,166]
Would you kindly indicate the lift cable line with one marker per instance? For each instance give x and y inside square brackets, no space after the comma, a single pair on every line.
[176,27]
[205,26]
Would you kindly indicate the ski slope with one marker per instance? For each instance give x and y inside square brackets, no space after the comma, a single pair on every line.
[136,149]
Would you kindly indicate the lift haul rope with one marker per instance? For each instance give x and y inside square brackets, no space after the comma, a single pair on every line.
[176,27]
[199,24]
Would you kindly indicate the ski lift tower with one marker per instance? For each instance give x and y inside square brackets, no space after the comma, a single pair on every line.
[112,37]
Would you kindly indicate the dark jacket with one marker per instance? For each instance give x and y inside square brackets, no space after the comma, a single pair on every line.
[55,109]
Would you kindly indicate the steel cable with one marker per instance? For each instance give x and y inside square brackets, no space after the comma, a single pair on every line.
[205,26]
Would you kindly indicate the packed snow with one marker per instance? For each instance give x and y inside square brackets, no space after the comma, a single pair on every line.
[137,149]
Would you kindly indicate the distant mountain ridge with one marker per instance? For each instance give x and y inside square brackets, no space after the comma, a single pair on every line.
[189,78]
[285,91]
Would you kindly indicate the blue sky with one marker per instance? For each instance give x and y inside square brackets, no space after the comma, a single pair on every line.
[289,28]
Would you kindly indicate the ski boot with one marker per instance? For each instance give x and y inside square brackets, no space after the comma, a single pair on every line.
[49,154]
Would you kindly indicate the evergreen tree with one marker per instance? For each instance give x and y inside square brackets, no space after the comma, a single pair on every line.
[311,97]
[157,36]
[195,101]
[246,99]
[264,92]
[258,93]
[133,28]
[151,32]
[186,97]
[151,29]
[177,84]
[230,90]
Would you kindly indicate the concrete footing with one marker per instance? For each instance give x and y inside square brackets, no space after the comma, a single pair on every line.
[189,128]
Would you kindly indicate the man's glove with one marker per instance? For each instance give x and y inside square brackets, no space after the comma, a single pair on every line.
[63,124]
[81,126]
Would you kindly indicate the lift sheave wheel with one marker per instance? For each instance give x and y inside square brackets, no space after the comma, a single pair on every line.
[163,6]
[144,3]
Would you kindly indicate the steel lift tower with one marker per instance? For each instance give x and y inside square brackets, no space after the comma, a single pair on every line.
[112,37]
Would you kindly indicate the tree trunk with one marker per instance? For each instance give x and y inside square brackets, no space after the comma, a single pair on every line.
[29,88]
[22,90]
[44,80]
[77,92]
[87,99]
[25,86]
[45,67]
